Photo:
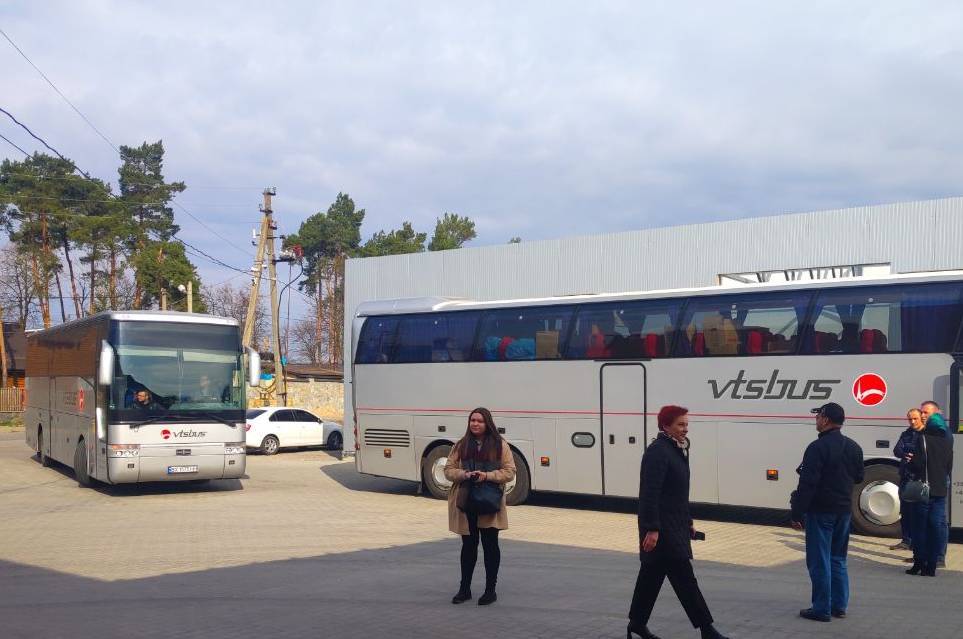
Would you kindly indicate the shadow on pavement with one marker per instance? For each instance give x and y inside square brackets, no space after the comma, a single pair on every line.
[404,592]
[348,477]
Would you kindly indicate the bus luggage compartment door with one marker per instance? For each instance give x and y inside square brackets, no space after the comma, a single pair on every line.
[622,416]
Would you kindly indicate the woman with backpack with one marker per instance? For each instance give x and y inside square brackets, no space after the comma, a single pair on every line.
[478,467]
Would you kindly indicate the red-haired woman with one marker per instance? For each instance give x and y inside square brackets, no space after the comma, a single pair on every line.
[665,528]
[482,445]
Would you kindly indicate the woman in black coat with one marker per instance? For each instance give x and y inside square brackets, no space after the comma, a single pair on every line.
[666,530]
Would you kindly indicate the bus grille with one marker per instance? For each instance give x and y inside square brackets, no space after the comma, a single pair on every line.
[386,437]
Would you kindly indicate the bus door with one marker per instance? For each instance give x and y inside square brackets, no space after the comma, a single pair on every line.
[956,486]
[622,409]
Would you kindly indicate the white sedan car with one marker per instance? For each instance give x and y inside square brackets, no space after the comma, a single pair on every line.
[272,428]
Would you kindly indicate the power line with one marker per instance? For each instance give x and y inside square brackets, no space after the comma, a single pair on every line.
[205,188]
[44,142]
[87,175]
[59,92]
[7,140]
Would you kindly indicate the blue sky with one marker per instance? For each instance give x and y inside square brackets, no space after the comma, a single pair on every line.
[541,119]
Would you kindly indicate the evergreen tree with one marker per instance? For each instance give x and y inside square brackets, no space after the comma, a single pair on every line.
[451,232]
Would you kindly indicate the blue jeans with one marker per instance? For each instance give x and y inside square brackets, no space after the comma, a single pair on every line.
[827,541]
[929,531]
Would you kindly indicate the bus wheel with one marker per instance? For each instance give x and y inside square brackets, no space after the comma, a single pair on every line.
[876,502]
[270,445]
[517,490]
[433,471]
[80,465]
[44,460]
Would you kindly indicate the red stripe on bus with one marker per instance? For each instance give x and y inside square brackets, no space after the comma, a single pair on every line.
[595,412]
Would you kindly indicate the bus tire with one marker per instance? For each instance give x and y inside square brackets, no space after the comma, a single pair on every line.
[432,471]
[270,445]
[80,465]
[518,494]
[44,460]
[874,501]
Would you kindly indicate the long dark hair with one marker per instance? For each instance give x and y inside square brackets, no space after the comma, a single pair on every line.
[491,447]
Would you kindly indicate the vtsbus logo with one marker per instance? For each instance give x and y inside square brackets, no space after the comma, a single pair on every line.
[166,434]
[773,387]
[869,389]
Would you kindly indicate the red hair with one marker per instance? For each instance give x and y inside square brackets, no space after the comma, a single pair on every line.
[670,413]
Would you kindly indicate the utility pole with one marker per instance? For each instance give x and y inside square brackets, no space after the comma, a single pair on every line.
[163,303]
[265,251]
[190,296]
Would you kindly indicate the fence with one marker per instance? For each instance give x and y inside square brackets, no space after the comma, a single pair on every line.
[11,400]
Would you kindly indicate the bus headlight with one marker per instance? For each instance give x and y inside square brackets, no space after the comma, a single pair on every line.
[234,449]
[123,450]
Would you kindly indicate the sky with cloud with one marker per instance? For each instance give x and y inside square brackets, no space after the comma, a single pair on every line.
[539,119]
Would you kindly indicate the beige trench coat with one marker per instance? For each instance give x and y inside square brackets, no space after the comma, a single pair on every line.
[457,521]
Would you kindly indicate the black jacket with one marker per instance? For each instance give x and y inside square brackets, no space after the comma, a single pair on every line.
[664,500]
[830,467]
[905,445]
[937,457]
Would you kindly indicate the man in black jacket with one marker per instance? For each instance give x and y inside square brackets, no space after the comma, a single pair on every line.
[823,505]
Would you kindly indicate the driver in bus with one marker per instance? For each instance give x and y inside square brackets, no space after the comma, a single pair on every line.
[144,400]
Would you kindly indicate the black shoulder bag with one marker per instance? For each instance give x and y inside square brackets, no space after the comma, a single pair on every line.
[480,498]
[917,490]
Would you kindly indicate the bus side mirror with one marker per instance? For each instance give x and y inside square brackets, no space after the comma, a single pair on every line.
[105,366]
[253,367]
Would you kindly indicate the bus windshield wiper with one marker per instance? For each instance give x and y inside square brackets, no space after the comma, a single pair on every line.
[218,419]
[155,418]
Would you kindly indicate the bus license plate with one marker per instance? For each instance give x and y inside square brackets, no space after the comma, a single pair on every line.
[173,470]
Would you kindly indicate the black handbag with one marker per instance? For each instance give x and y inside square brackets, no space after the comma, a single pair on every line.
[480,498]
[918,490]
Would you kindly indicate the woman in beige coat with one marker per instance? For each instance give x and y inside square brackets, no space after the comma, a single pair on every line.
[481,445]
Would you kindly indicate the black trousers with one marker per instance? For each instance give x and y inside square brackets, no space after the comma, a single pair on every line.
[469,553]
[649,583]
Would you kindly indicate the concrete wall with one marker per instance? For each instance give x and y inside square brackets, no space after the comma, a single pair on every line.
[324,399]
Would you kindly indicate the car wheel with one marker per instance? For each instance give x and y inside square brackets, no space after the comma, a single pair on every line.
[335,441]
[876,502]
[517,491]
[80,465]
[433,471]
[270,445]
[44,460]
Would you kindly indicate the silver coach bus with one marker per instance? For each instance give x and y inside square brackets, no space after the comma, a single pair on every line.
[575,383]
[139,396]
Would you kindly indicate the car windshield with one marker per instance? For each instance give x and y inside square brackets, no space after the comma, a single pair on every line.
[176,370]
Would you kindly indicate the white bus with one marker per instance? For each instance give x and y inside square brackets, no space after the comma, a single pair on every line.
[139,396]
[575,383]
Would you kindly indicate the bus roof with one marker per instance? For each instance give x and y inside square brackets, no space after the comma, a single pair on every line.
[403,306]
[144,316]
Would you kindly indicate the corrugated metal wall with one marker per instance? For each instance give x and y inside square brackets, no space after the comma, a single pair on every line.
[912,236]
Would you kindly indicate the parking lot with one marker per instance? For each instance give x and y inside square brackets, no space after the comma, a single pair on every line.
[305,547]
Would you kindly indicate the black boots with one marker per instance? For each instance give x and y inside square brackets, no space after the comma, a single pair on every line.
[463,594]
[709,632]
[915,570]
[642,631]
[489,597]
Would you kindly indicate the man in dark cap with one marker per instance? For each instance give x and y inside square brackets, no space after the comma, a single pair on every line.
[822,504]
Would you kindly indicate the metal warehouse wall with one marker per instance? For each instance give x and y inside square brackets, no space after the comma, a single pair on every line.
[912,236]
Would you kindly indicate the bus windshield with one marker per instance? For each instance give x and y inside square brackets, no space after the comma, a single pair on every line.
[176,370]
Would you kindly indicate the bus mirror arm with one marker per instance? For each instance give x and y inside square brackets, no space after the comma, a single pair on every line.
[105,366]
[253,367]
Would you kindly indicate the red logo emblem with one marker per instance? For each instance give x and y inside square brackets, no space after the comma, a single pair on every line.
[80,399]
[869,389]
[166,434]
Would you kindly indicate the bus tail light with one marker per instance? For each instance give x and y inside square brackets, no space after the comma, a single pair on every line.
[247,427]
[123,450]
[357,446]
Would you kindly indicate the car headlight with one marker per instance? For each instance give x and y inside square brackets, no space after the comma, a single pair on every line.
[123,450]
[234,448]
